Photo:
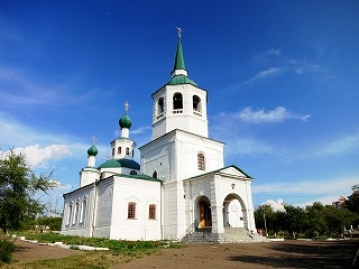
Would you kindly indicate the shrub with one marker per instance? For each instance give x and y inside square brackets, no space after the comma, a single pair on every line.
[6,249]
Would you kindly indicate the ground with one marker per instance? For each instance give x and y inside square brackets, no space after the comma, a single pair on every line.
[285,254]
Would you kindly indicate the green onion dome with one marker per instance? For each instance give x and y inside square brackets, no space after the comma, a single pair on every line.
[92,151]
[125,122]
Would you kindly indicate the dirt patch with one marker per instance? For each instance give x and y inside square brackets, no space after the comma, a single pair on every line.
[28,252]
[285,254]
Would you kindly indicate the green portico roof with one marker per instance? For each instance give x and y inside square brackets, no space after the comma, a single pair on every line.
[181,79]
[116,163]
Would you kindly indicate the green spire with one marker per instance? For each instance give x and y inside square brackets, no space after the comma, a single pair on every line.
[179,59]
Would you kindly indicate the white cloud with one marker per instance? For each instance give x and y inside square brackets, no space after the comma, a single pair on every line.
[277,206]
[39,157]
[270,72]
[20,88]
[141,130]
[340,146]
[276,52]
[244,146]
[324,190]
[40,146]
[279,114]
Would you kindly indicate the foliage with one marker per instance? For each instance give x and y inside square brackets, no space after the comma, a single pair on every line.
[18,184]
[6,249]
[314,221]
[54,223]
[116,246]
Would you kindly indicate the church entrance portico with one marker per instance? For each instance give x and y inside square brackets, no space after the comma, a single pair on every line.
[234,212]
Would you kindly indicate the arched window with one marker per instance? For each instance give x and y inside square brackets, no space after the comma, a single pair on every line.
[127,151]
[75,213]
[177,101]
[83,211]
[113,151]
[119,150]
[131,214]
[154,174]
[196,103]
[152,211]
[160,106]
[69,214]
[200,162]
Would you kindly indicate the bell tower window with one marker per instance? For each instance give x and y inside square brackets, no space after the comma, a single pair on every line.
[177,101]
[160,107]
[196,103]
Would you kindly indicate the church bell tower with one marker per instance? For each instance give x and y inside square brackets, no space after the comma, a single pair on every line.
[180,103]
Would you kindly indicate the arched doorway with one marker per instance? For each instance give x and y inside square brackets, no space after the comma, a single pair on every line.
[234,212]
[204,213]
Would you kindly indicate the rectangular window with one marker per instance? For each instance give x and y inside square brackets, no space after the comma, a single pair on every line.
[131,214]
[152,212]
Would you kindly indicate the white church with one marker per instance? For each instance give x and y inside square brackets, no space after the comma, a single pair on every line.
[181,189]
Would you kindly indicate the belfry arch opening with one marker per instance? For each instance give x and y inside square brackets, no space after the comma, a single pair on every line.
[197,106]
[177,101]
[234,212]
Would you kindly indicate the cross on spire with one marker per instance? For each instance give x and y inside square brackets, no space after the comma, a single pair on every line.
[179,31]
[127,106]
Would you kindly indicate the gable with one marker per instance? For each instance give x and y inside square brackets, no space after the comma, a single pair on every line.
[231,171]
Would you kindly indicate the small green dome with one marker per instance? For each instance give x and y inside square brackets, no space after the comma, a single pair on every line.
[92,151]
[125,122]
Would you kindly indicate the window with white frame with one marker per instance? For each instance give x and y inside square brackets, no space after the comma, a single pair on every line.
[131,214]
[152,212]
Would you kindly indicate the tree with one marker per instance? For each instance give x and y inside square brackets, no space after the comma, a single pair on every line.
[18,185]
[53,223]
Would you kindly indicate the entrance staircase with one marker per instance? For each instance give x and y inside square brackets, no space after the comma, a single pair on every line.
[230,235]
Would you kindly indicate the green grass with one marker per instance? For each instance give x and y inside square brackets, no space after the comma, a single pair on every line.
[121,251]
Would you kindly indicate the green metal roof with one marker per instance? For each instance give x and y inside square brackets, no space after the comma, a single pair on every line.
[218,170]
[92,151]
[179,60]
[141,176]
[125,122]
[115,163]
[181,79]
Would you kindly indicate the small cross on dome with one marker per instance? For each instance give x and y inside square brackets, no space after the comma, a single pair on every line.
[94,139]
[127,106]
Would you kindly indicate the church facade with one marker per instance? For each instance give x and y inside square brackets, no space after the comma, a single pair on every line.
[181,186]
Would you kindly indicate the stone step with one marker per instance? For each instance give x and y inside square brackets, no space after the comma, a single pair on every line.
[229,235]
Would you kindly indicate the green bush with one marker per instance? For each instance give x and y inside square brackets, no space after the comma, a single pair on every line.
[6,249]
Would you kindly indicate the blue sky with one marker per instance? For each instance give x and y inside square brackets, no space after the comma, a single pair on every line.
[282,78]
